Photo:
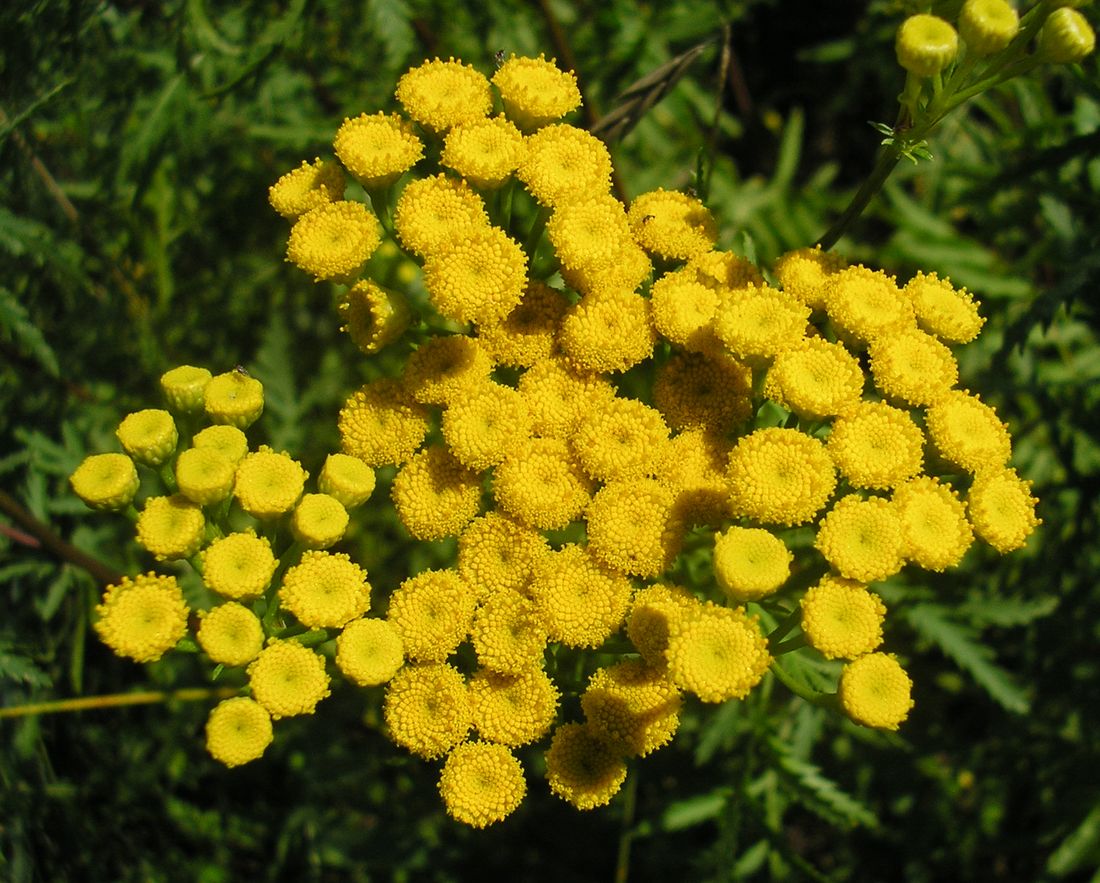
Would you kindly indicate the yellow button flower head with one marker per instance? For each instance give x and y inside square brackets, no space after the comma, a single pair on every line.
[608,332]
[183,388]
[588,234]
[269,484]
[862,539]
[1066,37]
[435,496]
[105,481]
[564,164]
[377,149]
[480,428]
[913,366]
[288,679]
[497,554]
[508,633]
[654,614]
[347,479]
[875,445]
[171,527]
[633,527]
[683,311]
[485,152]
[369,651]
[694,391]
[803,274]
[627,271]
[540,484]
[780,476]
[757,323]
[142,618]
[481,784]
[148,436]
[238,730]
[926,45]
[672,225]
[234,398]
[307,187]
[440,94]
[319,521]
[432,213]
[717,653]
[379,425]
[231,634]
[583,768]
[479,278]
[527,334]
[558,396]
[446,367]
[325,590]
[239,565]
[515,709]
[1002,509]
[373,317]
[750,562]
[866,304]
[432,613]
[694,467]
[205,475]
[632,705]
[582,601]
[815,380]
[876,692]
[987,26]
[427,709]
[624,439]
[967,432]
[721,270]
[934,528]
[841,619]
[226,440]
[949,313]
[535,92]
[333,241]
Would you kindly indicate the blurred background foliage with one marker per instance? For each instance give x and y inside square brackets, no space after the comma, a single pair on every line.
[137,142]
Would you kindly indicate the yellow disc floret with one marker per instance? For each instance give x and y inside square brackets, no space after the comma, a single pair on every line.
[862,539]
[876,692]
[841,618]
[497,554]
[1002,509]
[142,618]
[307,187]
[926,45]
[633,526]
[816,379]
[949,313]
[485,152]
[373,317]
[481,783]
[717,653]
[584,769]
[239,565]
[759,322]
[445,368]
[479,278]
[968,432]
[325,590]
[183,387]
[432,213]
[105,481]
[432,612]
[377,149]
[672,225]
[427,709]
[440,94]
[514,709]
[913,366]
[875,445]
[347,479]
[750,562]
[934,528]
[148,436]
[369,651]
[508,633]
[694,391]
[803,274]
[987,26]
[623,439]
[334,240]
[540,484]
[288,679]
[171,527]
[535,91]
[319,521]
[528,332]
[582,601]
[866,304]
[434,495]
[683,311]
[269,483]
[632,705]
[380,426]
[564,164]
[780,476]
[231,634]
[205,475]
[608,332]
[233,398]
[238,731]
[227,440]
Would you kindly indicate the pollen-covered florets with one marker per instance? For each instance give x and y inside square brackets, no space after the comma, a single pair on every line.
[695,391]
[564,164]
[432,612]
[780,476]
[608,332]
[513,709]
[582,600]
[804,274]
[862,538]
[541,485]
[583,767]
[841,618]
[142,618]
[435,496]
[171,527]
[633,526]
[441,94]
[967,432]
[913,367]
[373,316]
[759,322]
[497,554]
[478,278]
[485,152]
[148,436]
[238,731]
[875,445]
[288,679]
[875,691]
[529,332]
[1002,509]
[480,428]
[672,225]
[934,528]
[334,240]
[325,590]
[481,783]
[634,706]
[717,653]
[535,91]
[307,187]
[269,484]
[369,651]
[816,379]
[432,213]
[230,634]
[866,304]
[427,709]
[239,565]
[750,563]
[949,313]
[623,439]
[380,426]
[377,149]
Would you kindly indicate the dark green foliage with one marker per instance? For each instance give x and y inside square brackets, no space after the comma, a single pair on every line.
[137,143]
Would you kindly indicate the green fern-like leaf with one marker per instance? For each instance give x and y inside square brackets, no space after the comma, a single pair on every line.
[1007,612]
[818,793]
[274,368]
[960,643]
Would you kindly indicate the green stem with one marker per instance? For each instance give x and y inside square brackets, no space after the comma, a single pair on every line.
[626,836]
[789,646]
[117,700]
[887,160]
[789,622]
[811,696]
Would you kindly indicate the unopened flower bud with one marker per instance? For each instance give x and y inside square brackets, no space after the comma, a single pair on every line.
[926,44]
[182,388]
[148,436]
[987,26]
[105,481]
[1066,37]
[234,398]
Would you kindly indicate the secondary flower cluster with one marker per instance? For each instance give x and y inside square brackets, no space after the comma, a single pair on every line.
[593,393]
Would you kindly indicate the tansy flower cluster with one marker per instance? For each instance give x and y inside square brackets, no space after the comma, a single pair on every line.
[582,395]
